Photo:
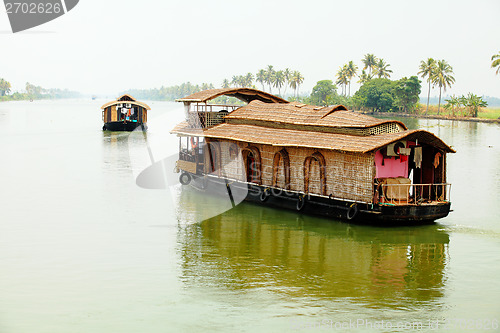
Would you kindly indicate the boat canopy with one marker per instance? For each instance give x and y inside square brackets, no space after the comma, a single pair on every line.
[126,99]
[244,94]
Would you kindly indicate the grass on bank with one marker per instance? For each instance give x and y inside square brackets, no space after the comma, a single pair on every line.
[489,113]
[486,113]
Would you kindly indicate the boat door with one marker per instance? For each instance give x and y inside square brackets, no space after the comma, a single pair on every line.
[251,168]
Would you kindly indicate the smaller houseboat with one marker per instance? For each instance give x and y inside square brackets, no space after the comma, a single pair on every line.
[124,114]
[317,160]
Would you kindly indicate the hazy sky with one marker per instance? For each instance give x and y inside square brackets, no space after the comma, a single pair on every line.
[104,47]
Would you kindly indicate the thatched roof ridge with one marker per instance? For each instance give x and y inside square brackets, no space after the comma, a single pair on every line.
[120,101]
[124,98]
[245,94]
[301,114]
[310,139]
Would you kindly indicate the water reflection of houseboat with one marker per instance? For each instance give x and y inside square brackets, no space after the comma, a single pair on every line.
[253,247]
[317,160]
[124,114]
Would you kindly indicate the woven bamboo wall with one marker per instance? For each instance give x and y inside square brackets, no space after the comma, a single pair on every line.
[280,174]
[348,175]
[232,164]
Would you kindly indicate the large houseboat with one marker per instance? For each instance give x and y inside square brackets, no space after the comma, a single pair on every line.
[317,160]
[124,114]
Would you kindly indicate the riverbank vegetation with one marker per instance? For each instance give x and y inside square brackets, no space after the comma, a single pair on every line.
[33,92]
[378,93]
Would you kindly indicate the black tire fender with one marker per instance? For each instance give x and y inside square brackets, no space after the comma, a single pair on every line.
[301,203]
[352,211]
[185,178]
[264,196]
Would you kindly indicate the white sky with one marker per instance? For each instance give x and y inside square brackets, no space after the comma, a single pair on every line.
[104,47]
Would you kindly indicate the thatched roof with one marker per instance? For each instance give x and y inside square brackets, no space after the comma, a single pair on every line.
[126,97]
[245,94]
[311,139]
[123,99]
[303,115]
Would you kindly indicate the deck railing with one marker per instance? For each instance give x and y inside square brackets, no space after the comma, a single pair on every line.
[205,119]
[213,107]
[208,115]
[415,193]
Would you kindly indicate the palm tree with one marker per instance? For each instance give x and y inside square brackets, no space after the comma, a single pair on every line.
[342,78]
[364,77]
[249,80]
[279,80]
[261,77]
[351,70]
[427,69]
[382,69]
[288,75]
[370,62]
[234,81]
[495,62]
[270,76]
[295,81]
[442,77]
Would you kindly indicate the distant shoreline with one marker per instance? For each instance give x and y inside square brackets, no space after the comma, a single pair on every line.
[423,116]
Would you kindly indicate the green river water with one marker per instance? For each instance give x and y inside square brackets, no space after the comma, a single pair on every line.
[84,249]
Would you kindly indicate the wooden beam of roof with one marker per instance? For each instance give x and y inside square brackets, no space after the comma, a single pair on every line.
[245,94]
[144,105]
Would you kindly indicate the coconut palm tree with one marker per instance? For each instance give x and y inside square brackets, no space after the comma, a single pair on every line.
[342,78]
[292,82]
[296,81]
[300,79]
[364,77]
[270,76]
[382,69]
[495,61]
[427,69]
[261,77]
[370,62]
[279,80]
[351,70]
[288,75]
[249,80]
[226,84]
[442,77]
[235,81]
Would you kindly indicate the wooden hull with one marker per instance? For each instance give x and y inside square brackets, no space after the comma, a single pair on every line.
[115,126]
[353,212]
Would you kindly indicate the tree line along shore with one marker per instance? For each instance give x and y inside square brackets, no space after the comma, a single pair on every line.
[33,92]
[377,93]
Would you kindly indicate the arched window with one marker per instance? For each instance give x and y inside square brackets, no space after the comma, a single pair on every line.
[251,158]
[212,158]
[311,172]
[233,151]
[281,159]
